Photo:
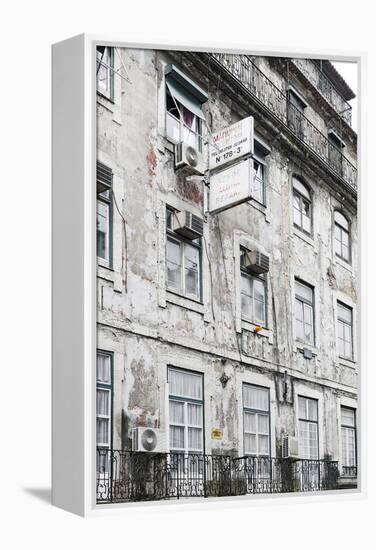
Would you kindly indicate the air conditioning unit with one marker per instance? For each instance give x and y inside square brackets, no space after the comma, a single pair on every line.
[189,161]
[255,261]
[290,446]
[188,225]
[149,440]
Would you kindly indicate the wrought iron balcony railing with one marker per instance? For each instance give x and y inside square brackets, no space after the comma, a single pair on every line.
[124,476]
[321,82]
[264,91]
[349,471]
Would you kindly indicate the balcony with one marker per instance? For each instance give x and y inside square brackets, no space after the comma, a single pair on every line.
[127,476]
[321,82]
[265,93]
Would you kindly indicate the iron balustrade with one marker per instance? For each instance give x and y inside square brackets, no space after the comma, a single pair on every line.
[125,476]
[349,471]
[321,82]
[255,82]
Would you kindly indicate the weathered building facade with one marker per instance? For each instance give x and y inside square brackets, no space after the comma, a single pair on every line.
[253,371]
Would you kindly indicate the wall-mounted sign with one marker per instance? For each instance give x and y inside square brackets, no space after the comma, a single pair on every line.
[231,143]
[231,186]
[216,433]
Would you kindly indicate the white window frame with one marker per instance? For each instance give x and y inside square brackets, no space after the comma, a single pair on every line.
[104,204]
[303,193]
[343,322]
[305,303]
[339,224]
[183,243]
[252,278]
[187,400]
[257,413]
[308,421]
[107,62]
[354,430]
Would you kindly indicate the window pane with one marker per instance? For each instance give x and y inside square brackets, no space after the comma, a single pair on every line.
[338,247]
[263,423]
[102,229]
[312,409]
[194,414]
[185,384]
[172,127]
[341,220]
[103,431]
[173,257]
[192,259]
[250,444]
[345,252]
[103,368]
[176,412]
[255,397]
[306,223]
[195,439]
[297,217]
[299,329]
[263,441]
[249,422]
[303,291]
[344,313]
[103,402]
[176,437]
[347,416]
[299,310]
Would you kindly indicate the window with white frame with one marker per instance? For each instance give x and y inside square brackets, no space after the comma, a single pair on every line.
[259,170]
[183,262]
[348,439]
[105,71]
[184,116]
[104,410]
[256,420]
[344,331]
[341,236]
[186,411]
[304,313]
[104,216]
[308,428]
[302,206]
[253,302]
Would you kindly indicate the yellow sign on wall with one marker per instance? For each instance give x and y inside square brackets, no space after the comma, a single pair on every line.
[216,433]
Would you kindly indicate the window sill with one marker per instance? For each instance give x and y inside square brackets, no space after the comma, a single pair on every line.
[106,102]
[105,271]
[262,208]
[183,301]
[304,237]
[343,263]
[347,363]
[251,327]
[299,348]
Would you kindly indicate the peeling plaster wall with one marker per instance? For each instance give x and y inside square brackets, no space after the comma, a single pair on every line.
[148,329]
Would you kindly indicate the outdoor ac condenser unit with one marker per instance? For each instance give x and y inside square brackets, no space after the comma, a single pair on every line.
[290,446]
[255,262]
[188,160]
[188,225]
[149,440]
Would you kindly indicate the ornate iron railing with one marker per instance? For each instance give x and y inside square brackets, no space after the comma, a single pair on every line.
[321,82]
[132,476]
[349,471]
[255,82]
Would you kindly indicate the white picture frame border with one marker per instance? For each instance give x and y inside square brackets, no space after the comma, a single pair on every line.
[74,275]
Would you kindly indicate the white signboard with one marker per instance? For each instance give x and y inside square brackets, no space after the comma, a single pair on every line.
[231,186]
[231,143]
